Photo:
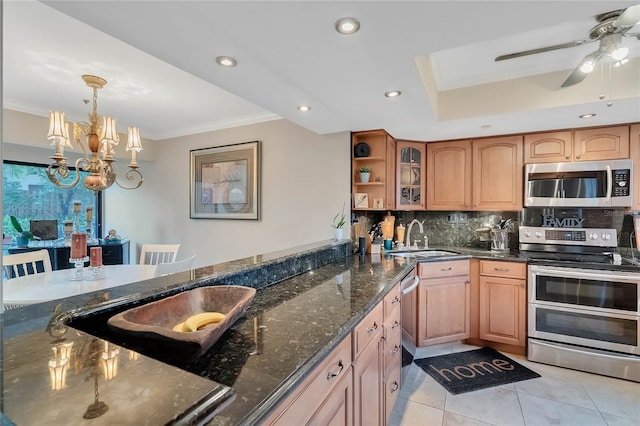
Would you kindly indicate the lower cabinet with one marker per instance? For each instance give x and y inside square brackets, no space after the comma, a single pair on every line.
[499,293]
[443,302]
[503,304]
[358,383]
[325,397]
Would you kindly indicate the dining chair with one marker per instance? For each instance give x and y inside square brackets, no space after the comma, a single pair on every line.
[27,263]
[152,254]
[173,267]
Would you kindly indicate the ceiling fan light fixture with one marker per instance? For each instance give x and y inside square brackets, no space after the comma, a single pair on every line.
[587,67]
[619,53]
[347,25]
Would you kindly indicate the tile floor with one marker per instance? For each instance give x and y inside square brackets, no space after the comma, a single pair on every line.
[559,397]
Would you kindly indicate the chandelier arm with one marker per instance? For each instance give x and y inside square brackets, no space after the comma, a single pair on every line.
[56,172]
[132,175]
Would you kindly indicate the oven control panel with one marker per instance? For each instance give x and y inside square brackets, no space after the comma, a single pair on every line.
[598,237]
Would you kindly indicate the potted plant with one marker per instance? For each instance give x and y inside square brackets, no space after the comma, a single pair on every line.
[365,174]
[23,236]
[338,223]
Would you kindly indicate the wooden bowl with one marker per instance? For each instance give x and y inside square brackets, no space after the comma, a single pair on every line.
[154,322]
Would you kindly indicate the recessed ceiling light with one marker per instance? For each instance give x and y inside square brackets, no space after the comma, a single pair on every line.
[226,61]
[304,108]
[587,115]
[486,126]
[347,25]
[392,93]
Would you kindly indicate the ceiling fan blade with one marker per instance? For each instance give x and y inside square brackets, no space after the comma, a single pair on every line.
[629,18]
[542,49]
[577,75]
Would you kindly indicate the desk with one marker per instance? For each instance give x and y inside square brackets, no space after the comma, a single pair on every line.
[57,284]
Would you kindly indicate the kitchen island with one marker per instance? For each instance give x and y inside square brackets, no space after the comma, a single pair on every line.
[309,298]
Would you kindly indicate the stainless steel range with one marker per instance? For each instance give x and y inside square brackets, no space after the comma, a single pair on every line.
[583,301]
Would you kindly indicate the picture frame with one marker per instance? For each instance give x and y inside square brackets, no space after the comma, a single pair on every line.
[378,203]
[225,182]
[360,200]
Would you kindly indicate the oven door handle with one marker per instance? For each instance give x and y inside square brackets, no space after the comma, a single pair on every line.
[416,281]
[609,183]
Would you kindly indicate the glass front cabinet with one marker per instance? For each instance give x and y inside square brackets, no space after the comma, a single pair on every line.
[410,168]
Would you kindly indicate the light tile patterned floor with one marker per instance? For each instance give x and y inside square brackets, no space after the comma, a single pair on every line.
[560,397]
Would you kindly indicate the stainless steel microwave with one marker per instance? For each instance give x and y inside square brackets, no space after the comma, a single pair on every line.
[579,184]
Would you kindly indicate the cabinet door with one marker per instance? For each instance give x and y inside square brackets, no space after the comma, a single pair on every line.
[634,136]
[449,175]
[502,310]
[602,143]
[410,175]
[367,386]
[443,314]
[549,147]
[497,173]
[409,310]
[391,389]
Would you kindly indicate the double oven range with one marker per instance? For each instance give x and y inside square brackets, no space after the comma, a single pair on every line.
[583,301]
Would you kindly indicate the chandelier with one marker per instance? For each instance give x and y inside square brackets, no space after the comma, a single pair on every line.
[98,148]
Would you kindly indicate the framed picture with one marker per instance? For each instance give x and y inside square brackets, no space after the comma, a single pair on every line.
[225,182]
[378,203]
[360,200]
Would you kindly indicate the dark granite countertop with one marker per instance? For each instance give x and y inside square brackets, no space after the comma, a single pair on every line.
[321,293]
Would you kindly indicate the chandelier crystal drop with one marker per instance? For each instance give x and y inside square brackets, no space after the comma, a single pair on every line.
[98,148]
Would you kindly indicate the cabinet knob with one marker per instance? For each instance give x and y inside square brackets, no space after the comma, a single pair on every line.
[578,156]
[566,157]
[373,328]
[501,269]
[395,300]
[395,350]
[445,269]
[395,324]
[394,386]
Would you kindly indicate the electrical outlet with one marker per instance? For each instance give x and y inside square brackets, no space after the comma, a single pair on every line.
[452,218]
[463,218]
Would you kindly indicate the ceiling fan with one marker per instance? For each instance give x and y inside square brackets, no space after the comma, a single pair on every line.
[611,27]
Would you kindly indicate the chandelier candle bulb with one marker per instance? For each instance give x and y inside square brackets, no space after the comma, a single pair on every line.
[68,226]
[89,214]
[95,257]
[76,206]
[78,245]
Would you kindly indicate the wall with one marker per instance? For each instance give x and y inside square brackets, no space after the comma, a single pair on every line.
[305,181]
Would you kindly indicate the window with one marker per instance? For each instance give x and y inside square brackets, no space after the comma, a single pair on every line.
[28,195]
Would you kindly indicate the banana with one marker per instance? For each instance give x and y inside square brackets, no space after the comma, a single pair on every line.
[199,320]
[178,327]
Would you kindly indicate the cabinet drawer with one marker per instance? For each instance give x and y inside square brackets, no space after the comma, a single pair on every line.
[503,269]
[391,302]
[439,269]
[369,329]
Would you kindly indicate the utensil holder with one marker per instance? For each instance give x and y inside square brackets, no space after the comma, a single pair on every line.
[500,240]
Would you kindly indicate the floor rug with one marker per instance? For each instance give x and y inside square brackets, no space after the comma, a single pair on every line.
[472,370]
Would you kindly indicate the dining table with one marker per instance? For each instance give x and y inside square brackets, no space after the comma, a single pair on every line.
[46,286]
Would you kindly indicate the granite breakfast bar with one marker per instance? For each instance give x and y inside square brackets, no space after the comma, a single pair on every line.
[309,298]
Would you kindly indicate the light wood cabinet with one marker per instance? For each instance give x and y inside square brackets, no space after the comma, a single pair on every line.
[368,369]
[449,175]
[391,351]
[503,304]
[410,175]
[601,143]
[325,397]
[443,302]
[634,152]
[381,163]
[548,147]
[591,144]
[497,174]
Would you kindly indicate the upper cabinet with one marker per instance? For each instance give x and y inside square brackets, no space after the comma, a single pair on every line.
[634,136]
[449,175]
[497,173]
[376,151]
[410,178]
[602,143]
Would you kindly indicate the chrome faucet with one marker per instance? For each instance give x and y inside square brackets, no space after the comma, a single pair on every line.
[409,231]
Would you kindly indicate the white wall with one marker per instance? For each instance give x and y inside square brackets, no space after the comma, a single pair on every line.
[305,181]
